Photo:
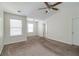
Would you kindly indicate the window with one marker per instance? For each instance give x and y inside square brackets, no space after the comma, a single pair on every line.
[30,27]
[15,27]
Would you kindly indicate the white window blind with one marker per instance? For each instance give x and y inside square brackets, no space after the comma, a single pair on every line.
[15,27]
[30,27]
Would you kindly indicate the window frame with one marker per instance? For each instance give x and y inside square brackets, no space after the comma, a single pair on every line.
[29,27]
[17,28]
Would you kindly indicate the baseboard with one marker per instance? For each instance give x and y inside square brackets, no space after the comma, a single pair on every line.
[56,39]
[14,42]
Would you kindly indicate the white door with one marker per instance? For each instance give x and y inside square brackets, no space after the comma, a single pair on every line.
[75,31]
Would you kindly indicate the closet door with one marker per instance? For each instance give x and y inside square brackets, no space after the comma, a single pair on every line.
[75,31]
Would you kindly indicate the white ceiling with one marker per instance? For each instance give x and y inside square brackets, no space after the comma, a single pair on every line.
[30,9]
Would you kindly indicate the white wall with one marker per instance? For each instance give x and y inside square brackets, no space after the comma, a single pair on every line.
[59,26]
[1,30]
[13,39]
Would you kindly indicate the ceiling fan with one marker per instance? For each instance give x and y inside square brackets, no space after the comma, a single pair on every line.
[50,7]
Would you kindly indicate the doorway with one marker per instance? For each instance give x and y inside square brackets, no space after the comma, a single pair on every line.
[44,30]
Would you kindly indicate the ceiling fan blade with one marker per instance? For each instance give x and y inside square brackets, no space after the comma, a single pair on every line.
[46,3]
[55,9]
[42,8]
[55,4]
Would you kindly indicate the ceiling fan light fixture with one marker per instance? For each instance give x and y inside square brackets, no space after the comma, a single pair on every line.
[19,11]
[46,11]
